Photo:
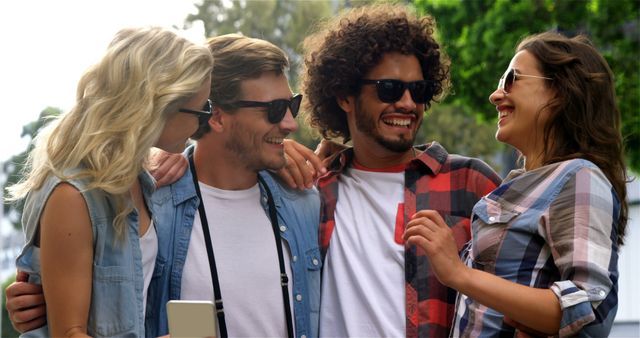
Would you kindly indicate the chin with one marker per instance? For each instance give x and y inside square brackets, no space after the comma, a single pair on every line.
[397,146]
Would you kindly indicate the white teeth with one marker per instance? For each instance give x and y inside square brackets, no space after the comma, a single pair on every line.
[398,122]
[503,113]
[274,140]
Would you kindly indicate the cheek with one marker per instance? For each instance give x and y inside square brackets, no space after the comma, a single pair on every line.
[180,126]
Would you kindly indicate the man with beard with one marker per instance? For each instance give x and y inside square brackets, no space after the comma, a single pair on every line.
[369,75]
[239,237]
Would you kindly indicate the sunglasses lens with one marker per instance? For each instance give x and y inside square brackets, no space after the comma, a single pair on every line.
[508,80]
[277,111]
[295,105]
[390,91]
[420,91]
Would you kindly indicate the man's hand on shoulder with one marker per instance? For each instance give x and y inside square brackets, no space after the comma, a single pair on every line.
[165,167]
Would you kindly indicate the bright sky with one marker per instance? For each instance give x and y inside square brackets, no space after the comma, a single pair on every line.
[47,44]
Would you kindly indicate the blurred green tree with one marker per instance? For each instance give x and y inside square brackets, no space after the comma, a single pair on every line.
[480,37]
[285,23]
[14,167]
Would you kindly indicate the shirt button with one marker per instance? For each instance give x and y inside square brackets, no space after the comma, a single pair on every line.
[299,297]
[264,199]
[602,293]
[315,261]
[283,228]
[303,336]
[491,219]
[295,258]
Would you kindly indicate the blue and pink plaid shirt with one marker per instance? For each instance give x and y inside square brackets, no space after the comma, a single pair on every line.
[552,227]
[436,180]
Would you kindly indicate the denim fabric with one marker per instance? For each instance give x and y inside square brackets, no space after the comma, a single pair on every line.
[298,216]
[117,296]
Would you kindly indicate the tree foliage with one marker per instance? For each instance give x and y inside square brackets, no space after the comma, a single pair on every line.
[480,37]
[14,168]
[284,23]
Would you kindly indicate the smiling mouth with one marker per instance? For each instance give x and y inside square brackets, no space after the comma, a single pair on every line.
[397,121]
[274,140]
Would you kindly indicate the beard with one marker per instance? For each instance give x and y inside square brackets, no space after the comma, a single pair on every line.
[247,147]
[367,125]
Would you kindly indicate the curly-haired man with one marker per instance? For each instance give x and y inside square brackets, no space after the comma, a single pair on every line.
[369,76]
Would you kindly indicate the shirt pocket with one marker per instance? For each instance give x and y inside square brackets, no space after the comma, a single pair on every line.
[491,222]
[114,301]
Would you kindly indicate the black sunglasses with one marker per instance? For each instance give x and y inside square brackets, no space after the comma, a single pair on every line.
[391,91]
[204,113]
[276,109]
[510,76]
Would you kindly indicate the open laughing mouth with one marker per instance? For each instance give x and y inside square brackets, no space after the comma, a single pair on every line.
[399,120]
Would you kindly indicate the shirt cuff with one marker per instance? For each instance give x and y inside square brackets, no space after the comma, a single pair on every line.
[577,306]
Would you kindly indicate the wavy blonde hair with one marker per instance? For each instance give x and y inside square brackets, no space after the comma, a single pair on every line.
[122,105]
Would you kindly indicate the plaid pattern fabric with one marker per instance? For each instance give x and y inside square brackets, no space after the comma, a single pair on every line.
[553,228]
[450,184]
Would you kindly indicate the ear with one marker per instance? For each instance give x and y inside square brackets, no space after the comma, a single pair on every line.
[347,103]
[218,119]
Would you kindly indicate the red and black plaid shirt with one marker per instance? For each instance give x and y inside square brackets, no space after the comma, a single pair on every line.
[435,180]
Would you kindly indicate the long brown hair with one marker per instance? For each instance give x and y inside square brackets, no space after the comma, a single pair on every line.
[585,119]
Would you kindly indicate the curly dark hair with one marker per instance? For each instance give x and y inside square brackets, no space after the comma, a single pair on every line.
[585,119]
[348,46]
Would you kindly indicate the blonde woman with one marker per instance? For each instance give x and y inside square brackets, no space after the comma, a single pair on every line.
[90,233]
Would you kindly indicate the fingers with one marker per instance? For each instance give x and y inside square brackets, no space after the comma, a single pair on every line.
[25,315]
[285,175]
[326,148]
[30,325]
[303,166]
[173,172]
[427,230]
[22,276]
[432,215]
[421,232]
[302,173]
[25,305]
[167,168]
[311,158]
[17,289]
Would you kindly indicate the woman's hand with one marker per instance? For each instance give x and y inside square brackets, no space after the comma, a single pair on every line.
[429,231]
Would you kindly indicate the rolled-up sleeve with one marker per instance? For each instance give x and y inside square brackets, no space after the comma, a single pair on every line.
[581,232]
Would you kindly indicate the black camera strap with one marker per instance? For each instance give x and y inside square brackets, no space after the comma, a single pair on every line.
[284,280]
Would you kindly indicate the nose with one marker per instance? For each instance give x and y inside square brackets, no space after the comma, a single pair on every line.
[406,101]
[496,96]
[288,123]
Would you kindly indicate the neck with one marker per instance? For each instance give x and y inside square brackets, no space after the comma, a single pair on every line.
[376,156]
[218,168]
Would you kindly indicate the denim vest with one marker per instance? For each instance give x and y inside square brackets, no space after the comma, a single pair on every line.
[117,283]
[298,217]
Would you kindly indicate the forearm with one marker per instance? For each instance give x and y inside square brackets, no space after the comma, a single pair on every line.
[536,308]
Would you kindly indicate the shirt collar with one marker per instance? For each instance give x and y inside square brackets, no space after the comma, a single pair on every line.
[431,156]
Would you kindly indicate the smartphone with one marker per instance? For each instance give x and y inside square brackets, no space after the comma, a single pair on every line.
[192,318]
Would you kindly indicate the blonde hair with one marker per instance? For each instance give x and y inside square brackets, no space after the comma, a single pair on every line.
[122,104]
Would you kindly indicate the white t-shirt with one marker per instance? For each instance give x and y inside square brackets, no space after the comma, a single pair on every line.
[149,251]
[363,285]
[246,260]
